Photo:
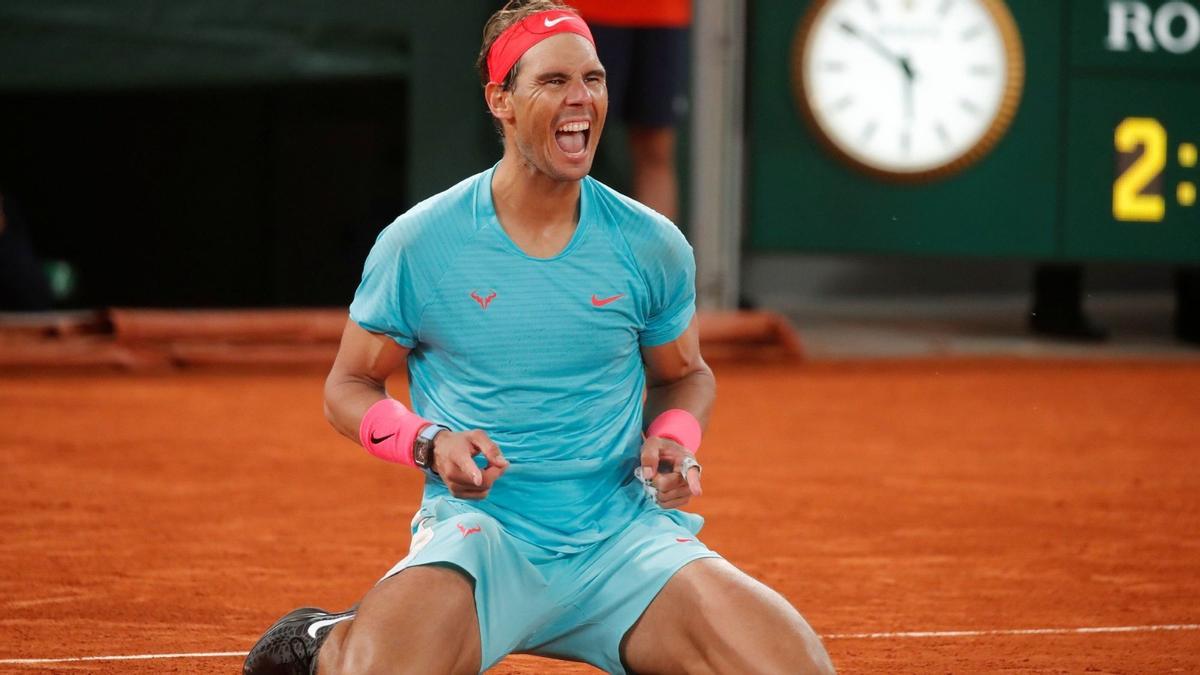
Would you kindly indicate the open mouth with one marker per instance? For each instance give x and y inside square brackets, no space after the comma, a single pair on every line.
[572,137]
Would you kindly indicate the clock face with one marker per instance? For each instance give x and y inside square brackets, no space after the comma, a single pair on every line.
[909,89]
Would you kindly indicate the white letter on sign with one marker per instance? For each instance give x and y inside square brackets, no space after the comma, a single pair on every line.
[1125,18]
[1191,29]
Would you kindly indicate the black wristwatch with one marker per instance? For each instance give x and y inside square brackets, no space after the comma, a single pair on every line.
[423,446]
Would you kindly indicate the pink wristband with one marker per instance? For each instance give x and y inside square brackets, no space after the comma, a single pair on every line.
[679,426]
[389,429]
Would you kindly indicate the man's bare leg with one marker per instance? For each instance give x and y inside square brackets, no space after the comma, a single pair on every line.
[713,618]
[422,620]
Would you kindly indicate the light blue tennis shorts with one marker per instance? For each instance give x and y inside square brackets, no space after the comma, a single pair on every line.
[532,600]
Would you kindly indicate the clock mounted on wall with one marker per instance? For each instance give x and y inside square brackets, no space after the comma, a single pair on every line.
[908,90]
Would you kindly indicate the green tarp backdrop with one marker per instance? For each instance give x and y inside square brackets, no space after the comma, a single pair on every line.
[119,44]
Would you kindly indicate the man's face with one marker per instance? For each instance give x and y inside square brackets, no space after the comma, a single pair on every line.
[559,103]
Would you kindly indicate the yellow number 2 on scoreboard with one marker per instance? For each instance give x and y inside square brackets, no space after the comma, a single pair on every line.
[1131,199]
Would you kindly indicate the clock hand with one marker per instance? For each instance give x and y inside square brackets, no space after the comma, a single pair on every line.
[902,61]
[910,76]
[874,43]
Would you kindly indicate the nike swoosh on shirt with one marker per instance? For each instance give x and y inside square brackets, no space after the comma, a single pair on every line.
[600,302]
[318,625]
[551,24]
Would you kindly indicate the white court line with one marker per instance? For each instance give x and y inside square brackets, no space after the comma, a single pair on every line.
[835,636]
[1013,631]
[131,657]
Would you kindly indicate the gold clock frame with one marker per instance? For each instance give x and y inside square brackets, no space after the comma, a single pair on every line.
[1014,86]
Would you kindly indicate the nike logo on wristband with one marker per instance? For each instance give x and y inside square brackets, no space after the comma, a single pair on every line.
[381,439]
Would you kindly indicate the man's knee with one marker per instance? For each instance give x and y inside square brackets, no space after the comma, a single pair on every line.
[798,649]
[421,620]
[746,627]
[357,653]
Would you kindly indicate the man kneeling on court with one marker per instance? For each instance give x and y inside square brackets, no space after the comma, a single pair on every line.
[532,306]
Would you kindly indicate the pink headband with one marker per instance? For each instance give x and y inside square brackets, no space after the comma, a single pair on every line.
[519,37]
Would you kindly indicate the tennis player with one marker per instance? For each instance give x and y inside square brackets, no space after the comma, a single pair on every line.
[532,307]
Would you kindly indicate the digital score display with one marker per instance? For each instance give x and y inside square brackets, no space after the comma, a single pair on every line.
[1133,169]
[1143,150]
[1132,128]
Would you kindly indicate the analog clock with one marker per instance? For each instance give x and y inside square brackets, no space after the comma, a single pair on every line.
[908,89]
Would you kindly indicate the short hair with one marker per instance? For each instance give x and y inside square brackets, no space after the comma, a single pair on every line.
[512,12]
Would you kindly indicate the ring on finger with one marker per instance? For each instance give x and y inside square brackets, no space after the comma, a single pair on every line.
[688,464]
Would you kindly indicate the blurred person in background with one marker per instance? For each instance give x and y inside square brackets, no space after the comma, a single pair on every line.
[1058,310]
[1058,304]
[533,307]
[23,283]
[1187,303]
[644,47]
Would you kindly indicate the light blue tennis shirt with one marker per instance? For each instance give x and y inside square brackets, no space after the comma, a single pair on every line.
[541,353]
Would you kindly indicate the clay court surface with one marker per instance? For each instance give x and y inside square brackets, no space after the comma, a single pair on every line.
[181,512]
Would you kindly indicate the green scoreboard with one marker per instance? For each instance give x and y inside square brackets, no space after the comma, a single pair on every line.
[1050,129]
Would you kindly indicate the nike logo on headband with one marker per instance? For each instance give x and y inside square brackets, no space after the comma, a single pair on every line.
[551,24]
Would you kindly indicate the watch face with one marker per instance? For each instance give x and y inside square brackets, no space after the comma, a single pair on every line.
[909,89]
[421,448]
[423,445]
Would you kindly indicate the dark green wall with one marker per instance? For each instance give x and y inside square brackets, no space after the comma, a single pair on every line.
[73,45]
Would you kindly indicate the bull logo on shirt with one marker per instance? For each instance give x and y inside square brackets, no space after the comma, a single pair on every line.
[483,301]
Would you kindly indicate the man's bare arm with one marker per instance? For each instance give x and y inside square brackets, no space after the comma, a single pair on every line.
[357,380]
[678,377]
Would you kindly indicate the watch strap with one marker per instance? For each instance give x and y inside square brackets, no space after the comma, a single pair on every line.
[423,445]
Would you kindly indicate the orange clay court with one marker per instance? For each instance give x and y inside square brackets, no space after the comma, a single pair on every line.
[927,516]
